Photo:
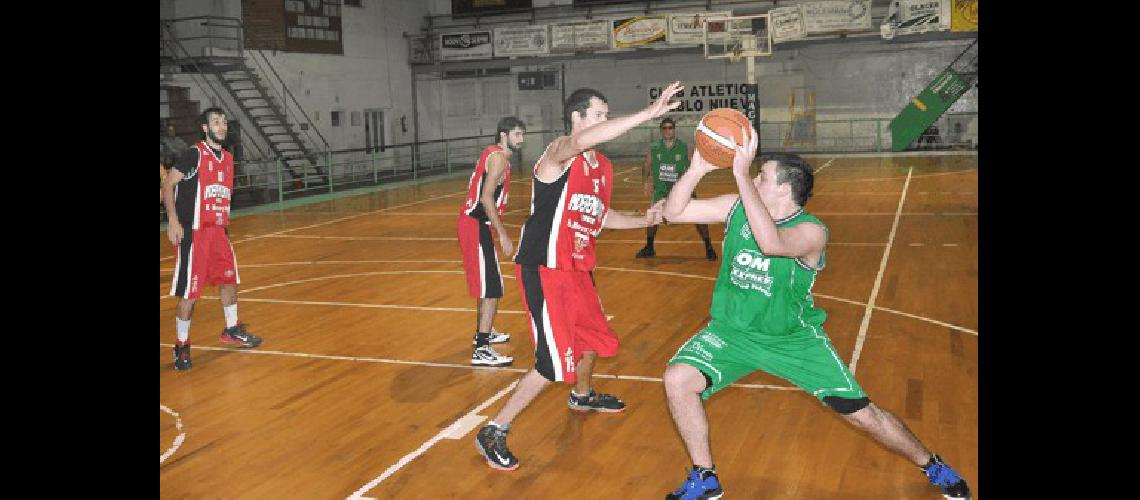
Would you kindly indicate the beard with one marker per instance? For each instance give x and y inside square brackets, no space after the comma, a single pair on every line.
[212,137]
[515,147]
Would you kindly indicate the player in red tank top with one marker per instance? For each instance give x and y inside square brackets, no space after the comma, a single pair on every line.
[571,185]
[487,194]
[197,193]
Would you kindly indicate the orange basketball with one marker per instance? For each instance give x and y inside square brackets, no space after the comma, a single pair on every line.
[718,130]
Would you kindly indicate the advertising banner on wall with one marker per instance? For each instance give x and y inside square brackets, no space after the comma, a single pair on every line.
[787,24]
[465,45]
[964,15]
[688,29]
[699,98]
[583,35]
[907,17]
[923,110]
[831,16]
[640,31]
[523,41]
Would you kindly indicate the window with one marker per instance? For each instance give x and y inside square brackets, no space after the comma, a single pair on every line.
[355,118]
[334,118]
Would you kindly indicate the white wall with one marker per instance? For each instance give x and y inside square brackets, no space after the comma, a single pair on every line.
[851,80]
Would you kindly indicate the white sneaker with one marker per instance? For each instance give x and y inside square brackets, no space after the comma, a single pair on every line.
[486,356]
[496,337]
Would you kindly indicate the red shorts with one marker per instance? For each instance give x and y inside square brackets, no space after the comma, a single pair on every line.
[205,257]
[566,319]
[480,263]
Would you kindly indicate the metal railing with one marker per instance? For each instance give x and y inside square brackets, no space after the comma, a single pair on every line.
[260,182]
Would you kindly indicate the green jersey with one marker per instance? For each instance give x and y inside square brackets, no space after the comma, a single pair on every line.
[762,295]
[667,165]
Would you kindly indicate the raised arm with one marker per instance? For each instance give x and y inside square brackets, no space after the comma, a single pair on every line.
[680,207]
[566,147]
[802,240]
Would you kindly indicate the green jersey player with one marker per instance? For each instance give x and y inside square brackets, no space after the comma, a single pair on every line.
[763,316]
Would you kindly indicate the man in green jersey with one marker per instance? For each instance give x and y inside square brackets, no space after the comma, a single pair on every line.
[763,316]
[665,162]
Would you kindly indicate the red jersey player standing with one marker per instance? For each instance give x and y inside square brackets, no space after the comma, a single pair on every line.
[197,196]
[486,201]
[570,197]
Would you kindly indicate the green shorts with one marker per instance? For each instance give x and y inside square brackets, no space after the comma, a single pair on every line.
[805,359]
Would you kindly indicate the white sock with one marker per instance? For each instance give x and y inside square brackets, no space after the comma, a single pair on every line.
[183,327]
[231,315]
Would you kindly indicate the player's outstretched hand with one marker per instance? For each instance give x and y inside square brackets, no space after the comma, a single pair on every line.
[745,153]
[700,164]
[505,242]
[174,233]
[662,104]
[653,216]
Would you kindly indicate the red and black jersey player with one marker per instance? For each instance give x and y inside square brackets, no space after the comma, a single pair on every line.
[197,196]
[480,217]
[570,204]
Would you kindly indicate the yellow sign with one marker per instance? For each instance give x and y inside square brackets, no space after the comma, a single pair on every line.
[964,15]
[918,104]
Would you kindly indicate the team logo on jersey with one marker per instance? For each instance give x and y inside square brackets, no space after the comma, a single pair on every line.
[746,232]
[587,204]
[221,176]
[750,271]
[596,181]
[217,191]
[677,157]
[603,181]
[569,357]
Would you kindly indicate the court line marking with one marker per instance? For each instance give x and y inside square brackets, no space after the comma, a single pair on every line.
[366,359]
[824,166]
[444,434]
[878,280]
[362,214]
[509,311]
[453,238]
[353,216]
[181,434]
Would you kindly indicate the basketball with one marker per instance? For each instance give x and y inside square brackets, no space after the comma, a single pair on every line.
[718,130]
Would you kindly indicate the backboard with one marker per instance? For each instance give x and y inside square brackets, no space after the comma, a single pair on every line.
[737,37]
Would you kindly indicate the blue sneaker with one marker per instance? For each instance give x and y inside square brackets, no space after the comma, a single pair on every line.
[946,479]
[700,485]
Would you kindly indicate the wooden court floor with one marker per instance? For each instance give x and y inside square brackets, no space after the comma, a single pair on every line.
[362,386]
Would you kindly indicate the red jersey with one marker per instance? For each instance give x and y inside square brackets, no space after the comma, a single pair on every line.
[566,215]
[205,190]
[472,206]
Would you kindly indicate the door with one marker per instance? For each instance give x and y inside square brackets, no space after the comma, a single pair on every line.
[373,130]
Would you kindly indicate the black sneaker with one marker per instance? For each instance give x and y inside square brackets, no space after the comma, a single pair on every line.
[492,444]
[646,252]
[946,479]
[182,357]
[703,485]
[710,254]
[605,403]
[237,335]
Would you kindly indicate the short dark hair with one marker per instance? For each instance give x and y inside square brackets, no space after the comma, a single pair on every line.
[506,125]
[669,121]
[204,118]
[793,169]
[579,101]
